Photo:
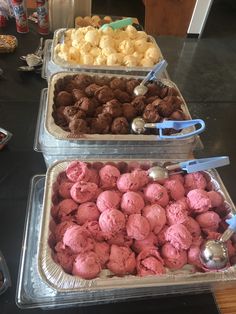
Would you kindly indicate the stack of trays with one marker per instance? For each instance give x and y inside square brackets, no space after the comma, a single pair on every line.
[42,281]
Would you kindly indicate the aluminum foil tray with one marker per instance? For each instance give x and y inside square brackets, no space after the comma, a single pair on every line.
[59,133]
[59,37]
[53,275]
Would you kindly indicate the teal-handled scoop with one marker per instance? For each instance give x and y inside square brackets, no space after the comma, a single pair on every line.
[139,126]
[214,253]
[189,166]
[141,89]
[118,24]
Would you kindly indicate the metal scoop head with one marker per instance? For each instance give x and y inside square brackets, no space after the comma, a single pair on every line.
[214,253]
[141,89]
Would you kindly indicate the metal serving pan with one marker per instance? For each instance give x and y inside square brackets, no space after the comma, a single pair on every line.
[59,37]
[53,275]
[59,133]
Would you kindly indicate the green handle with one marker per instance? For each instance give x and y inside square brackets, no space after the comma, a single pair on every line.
[119,24]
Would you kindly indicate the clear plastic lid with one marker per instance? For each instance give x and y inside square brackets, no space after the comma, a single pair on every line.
[5,280]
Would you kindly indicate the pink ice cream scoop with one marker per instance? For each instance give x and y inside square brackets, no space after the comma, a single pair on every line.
[141,176]
[156,193]
[128,182]
[149,262]
[149,241]
[193,227]
[122,260]
[209,220]
[179,236]
[161,236]
[112,221]
[64,189]
[175,189]
[173,258]
[178,176]
[120,239]
[87,212]
[86,265]
[102,249]
[176,213]
[216,198]
[82,192]
[77,239]
[132,203]
[195,180]
[77,171]
[108,200]
[66,260]
[193,256]
[108,176]
[94,176]
[156,217]
[137,227]
[94,230]
[67,207]
[184,203]
[199,201]
[61,228]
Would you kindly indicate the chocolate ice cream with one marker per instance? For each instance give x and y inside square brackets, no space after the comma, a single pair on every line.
[120,126]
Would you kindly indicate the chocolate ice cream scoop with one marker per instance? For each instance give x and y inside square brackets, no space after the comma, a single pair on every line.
[64,98]
[113,107]
[104,94]
[120,126]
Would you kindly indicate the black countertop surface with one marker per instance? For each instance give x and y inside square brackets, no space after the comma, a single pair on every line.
[19,102]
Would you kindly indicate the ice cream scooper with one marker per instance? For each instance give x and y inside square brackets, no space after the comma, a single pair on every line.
[139,126]
[214,253]
[190,166]
[141,89]
[118,24]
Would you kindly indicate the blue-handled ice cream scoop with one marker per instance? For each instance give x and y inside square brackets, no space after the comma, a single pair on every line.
[139,126]
[189,166]
[214,253]
[159,68]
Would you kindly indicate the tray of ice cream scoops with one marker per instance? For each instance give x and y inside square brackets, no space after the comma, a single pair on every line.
[102,107]
[109,225]
[125,49]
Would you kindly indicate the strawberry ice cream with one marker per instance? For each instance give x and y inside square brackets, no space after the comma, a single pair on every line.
[112,221]
[193,227]
[122,260]
[61,228]
[108,200]
[67,207]
[156,217]
[199,201]
[156,193]
[64,189]
[194,181]
[94,230]
[175,189]
[149,263]
[216,198]
[82,192]
[209,220]
[108,176]
[77,171]
[87,212]
[113,216]
[86,265]
[149,241]
[128,182]
[77,239]
[193,256]
[137,227]
[102,249]
[179,236]
[173,258]
[132,203]
[176,214]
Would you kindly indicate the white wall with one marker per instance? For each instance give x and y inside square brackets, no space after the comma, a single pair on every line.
[199,17]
